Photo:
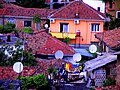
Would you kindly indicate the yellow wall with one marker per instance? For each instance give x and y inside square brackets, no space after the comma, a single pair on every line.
[84,26]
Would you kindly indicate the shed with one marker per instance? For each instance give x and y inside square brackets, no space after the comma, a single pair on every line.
[100,65]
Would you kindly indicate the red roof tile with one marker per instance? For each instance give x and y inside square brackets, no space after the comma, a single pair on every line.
[83,10]
[43,65]
[43,43]
[14,10]
[111,38]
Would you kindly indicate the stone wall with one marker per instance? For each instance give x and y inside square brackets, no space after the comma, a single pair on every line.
[118,70]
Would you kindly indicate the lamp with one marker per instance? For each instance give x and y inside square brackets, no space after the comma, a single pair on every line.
[78,34]
[46,26]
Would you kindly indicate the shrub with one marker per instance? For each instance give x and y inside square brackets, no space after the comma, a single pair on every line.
[8,28]
[109,82]
[35,82]
[66,40]
[36,19]
[1,28]
[27,30]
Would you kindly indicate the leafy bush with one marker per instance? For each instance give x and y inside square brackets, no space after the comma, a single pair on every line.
[66,40]
[1,28]
[36,19]
[36,82]
[109,82]
[91,89]
[51,70]
[8,28]
[27,30]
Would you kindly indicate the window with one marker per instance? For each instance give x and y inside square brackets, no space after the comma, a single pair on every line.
[27,23]
[38,26]
[98,8]
[118,14]
[63,27]
[95,27]
[11,20]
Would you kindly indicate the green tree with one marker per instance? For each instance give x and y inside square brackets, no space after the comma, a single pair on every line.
[32,3]
[27,30]
[66,40]
[16,55]
[8,28]
[37,19]
[38,82]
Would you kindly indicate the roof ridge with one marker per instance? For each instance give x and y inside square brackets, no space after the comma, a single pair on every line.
[94,10]
[61,8]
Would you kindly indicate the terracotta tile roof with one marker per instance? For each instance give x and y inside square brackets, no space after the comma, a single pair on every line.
[43,65]
[111,38]
[14,10]
[43,43]
[83,10]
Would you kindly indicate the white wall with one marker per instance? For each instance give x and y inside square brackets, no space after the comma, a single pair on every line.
[95,4]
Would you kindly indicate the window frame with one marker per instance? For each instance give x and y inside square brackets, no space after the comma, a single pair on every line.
[117,14]
[11,20]
[63,31]
[27,26]
[98,8]
[96,24]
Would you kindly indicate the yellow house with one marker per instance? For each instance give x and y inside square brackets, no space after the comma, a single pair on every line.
[78,21]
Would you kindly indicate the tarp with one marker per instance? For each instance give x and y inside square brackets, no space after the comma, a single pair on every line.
[83,52]
[99,61]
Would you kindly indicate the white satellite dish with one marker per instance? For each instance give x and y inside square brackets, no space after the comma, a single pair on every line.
[59,54]
[92,48]
[77,57]
[18,67]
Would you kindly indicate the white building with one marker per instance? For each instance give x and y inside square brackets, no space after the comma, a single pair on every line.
[97,4]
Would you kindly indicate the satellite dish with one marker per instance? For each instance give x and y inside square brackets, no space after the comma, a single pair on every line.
[77,57]
[92,48]
[59,54]
[18,67]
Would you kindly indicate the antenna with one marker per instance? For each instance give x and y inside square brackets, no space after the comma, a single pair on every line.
[77,57]
[93,48]
[59,54]
[18,67]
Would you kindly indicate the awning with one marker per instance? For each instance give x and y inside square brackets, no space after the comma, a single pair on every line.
[99,61]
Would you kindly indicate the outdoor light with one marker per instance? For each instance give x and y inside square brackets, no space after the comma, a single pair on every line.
[78,33]
[46,26]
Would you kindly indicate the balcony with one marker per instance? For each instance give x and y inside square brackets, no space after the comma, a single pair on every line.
[63,35]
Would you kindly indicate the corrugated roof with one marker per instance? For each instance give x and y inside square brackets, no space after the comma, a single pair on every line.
[99,61]
[83,52]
